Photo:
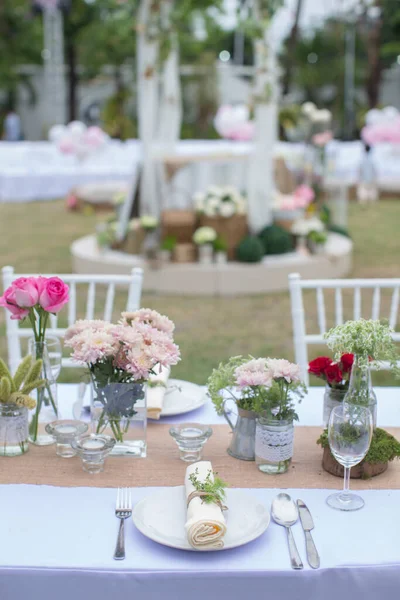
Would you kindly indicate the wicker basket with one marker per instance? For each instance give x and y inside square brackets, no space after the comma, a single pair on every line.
[180,224]
[184,253]
[231,229]
[133,242]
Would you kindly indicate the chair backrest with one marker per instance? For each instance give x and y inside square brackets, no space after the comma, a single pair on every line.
[132,282]
[346,305]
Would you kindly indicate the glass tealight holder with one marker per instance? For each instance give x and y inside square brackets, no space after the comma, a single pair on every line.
[93,449]
[65,432]
[190,438]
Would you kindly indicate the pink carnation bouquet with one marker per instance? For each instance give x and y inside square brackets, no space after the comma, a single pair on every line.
[124,353]
[267,386]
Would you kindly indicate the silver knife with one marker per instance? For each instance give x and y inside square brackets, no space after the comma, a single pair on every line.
[308,524]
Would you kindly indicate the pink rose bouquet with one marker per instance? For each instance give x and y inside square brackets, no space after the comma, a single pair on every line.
[266,386]
[36,298]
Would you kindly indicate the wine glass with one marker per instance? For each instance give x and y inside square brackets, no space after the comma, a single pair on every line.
[349,433]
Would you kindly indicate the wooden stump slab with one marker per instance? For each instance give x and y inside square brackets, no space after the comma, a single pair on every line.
[363,470]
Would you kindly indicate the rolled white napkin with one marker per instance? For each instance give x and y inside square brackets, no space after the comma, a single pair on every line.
[205,525]
[156,393]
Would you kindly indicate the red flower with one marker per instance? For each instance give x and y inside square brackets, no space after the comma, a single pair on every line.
[333,374]
[347,362]
[319,365]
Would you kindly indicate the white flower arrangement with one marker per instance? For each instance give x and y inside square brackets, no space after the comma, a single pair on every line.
[369,340]
[148,222]
[314,114]
[204,235]
[304,227]
[220,201]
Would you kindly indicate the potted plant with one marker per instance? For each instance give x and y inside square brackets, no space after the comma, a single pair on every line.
[316,241]
[220,249]
[121,359]
[260,387]
[15,403]
[204,237]
[336,376]
[371,343]
[166,248]
[302,229]
[223,208]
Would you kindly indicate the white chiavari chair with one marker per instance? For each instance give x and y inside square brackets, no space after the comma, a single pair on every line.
[132,283]
[355,308]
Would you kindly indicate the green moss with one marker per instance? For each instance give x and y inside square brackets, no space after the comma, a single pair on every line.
[384,447]
[276,240]
[250,249]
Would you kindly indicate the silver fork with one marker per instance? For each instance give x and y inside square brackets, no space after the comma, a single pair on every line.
[123,510]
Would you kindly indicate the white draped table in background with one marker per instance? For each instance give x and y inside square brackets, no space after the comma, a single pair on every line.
[38,171]
[59,542]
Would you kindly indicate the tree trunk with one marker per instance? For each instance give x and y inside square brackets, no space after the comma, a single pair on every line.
[291,46]
[73,81]
[375,66]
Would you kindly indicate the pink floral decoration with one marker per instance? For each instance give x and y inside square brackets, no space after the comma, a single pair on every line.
[133,346]
[321,139]
[71,202]
[253,372]
[34,293]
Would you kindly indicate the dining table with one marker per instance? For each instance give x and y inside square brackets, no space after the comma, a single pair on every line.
[58,527]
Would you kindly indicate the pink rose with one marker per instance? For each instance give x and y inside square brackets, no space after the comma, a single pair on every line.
[25,292]
[9,302]
[54,295]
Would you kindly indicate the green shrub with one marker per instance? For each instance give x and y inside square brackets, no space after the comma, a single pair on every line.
[276,240]
[169,243]
[340,230]
[250,249]
[220,244]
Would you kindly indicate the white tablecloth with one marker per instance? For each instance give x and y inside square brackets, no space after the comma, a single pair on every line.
[310,410]
[38,171]
[58,543]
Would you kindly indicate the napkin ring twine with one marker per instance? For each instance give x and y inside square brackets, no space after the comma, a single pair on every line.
[200,494]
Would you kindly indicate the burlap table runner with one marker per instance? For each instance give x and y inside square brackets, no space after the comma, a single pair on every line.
[162,466]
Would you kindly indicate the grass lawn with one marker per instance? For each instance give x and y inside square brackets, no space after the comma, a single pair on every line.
[36,237]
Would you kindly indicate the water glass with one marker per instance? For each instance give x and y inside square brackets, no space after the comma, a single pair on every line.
[350,431]
[54,353]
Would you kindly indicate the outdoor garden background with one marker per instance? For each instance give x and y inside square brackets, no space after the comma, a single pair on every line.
[35,237]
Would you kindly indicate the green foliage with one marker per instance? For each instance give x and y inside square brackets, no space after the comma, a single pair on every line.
[16,389]
[20,44]
[212,485]
[223,379]
[317,237]
[116,123]
[220,244]
[250,249]
[276,240]
[169,243]
[278,401]
[339,230]
[384,447]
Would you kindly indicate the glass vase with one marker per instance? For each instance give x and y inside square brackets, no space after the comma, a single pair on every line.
[360,392]
[274,445]
[46,410]
[332,398]
[13,429]
[119,410]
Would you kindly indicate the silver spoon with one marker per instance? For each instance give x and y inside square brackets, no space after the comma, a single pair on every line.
[284,512]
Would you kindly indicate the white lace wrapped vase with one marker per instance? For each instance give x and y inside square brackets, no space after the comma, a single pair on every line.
[274,445]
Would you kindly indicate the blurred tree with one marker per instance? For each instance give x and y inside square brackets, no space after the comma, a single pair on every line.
[290,48]
[318,66]
[20,44]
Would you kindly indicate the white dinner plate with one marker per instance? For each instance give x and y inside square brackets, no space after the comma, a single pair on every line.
[182,397]
[161,517]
